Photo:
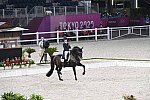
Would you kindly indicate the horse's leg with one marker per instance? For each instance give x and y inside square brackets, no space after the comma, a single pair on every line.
[59,73]
[79,64]
[59,69]
[74,70]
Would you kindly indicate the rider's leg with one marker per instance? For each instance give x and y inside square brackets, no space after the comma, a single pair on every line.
[63,56]
[66,55]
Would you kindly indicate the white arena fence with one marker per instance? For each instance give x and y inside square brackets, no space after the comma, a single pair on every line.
[118,32]
[89,34]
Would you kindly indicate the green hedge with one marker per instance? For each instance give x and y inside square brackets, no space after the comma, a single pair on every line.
[18,96]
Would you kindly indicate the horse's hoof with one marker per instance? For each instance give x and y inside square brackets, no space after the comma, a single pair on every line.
[47,75]
[83,73]
[61,79]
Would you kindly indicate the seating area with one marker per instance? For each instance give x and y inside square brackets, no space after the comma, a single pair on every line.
[68,3]
[32,3]
[26,3]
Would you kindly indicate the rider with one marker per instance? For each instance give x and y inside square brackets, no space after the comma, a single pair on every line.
[66,47]
[41,42]
[44,45]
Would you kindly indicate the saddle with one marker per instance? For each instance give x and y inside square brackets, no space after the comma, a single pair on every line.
[65,59]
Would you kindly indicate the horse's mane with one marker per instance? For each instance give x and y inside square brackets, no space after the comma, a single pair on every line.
[76,52]
[76,47]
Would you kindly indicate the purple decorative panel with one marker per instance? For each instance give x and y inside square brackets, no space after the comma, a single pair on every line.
[68,22]
[45,25]
[124,21]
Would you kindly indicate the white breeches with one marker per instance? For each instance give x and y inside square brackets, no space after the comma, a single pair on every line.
[41,52]
[67,53]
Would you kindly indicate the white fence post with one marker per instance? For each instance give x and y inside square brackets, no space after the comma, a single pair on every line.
[54,11]
[37,38]
[16,12]
[111,33]
[35,11]
[77,35]
[3,13]
[149,29]
[58,37]
[76,10]
[140,31]
[119,33]
[108,33]
[131,30]
[95,34]
[65,10]
[87,8]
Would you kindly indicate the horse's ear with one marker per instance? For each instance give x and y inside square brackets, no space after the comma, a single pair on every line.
[82,48]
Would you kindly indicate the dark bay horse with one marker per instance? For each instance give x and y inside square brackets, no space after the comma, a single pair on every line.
[75,58]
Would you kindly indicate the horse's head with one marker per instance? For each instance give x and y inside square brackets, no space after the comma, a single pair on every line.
[77,52]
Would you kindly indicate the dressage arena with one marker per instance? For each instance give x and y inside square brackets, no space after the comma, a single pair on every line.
[105,79]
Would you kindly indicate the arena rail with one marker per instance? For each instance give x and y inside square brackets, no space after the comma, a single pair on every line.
[89,34]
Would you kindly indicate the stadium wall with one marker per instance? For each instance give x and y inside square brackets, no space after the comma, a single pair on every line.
[69,22]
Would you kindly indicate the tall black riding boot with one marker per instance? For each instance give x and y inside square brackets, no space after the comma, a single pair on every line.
[65,62]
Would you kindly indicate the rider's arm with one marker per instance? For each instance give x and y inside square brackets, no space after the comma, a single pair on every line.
[69,46]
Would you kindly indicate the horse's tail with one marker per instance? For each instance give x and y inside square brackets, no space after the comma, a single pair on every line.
[50,72]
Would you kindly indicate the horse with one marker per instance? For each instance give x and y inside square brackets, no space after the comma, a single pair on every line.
[75,58]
